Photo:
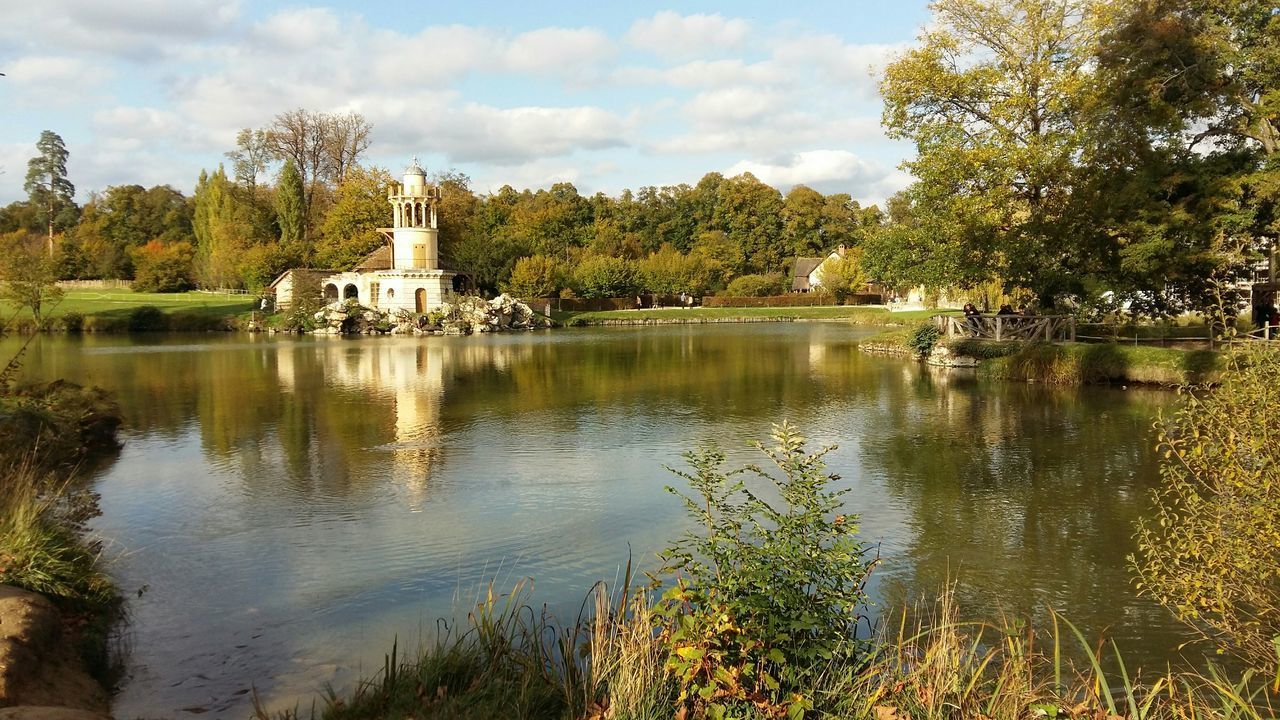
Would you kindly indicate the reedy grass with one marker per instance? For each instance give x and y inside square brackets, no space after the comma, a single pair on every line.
[512,661]
[41,549]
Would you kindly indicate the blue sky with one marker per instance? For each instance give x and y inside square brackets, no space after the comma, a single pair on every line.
[605,95]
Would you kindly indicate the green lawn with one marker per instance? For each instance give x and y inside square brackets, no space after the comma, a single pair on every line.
[850,313]
[119,302]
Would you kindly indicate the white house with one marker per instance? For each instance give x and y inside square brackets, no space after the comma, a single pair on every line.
[406,273]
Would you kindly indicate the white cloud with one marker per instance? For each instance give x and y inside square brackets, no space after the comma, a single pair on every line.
[670,34]
[559,50]
[53,80]
[819,169]
[510,136]
[139,29]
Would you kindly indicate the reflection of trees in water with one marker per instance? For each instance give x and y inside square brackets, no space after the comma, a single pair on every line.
[1025,494]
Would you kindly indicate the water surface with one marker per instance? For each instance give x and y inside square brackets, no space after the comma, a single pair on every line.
[289,507]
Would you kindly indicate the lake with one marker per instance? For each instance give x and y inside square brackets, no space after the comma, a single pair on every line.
[285,508]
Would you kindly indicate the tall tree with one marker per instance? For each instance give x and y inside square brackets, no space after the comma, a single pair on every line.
[991,99]
[250,158]
[47,185]
[291,205]
[351,226]
[346,137]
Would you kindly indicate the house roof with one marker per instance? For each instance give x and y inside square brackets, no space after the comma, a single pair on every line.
[801,270]
[379,259]
[300,271]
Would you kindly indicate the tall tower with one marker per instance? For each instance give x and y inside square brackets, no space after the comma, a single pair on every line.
[415,243]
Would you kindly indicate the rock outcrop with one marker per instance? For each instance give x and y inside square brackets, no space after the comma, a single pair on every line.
[461,316]
[39,666]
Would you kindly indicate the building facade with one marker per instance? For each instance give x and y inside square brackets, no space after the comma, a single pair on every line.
[406,274]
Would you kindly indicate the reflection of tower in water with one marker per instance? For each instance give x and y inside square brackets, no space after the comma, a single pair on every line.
[408,377]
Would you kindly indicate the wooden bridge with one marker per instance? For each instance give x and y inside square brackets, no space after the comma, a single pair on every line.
[1009,327]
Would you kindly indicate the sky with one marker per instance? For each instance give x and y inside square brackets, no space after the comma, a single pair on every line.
[605,95]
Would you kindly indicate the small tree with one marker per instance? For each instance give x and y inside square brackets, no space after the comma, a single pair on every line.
[755,285]
[536,276]
[1210,551]
[765,594]
[843,276]
[30,278]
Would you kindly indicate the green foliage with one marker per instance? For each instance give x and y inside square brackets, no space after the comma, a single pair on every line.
[843,276]
[756,285]
[351,226]
[30,280]
[1211,549]
[923,338]
[291,205]
[163,268]
[766,594]
[670,272]
[147,318]
[73,322]
[41,548]
[536,276]
[48,189]
[600,276]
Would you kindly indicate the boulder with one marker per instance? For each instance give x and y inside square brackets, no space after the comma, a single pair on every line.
[38,664]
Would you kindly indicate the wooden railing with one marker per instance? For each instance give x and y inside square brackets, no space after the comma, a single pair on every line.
[1009,327]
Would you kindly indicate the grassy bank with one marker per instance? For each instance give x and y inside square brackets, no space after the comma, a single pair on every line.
[112,310]
[1065,363]
[859,315]
[49,434]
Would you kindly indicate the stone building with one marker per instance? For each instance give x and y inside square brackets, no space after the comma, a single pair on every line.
[406,273]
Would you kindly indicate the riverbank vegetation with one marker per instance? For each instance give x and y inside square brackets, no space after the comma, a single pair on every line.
[1057,363]
[760,613]
[122,310]
[49,434]
[857,315]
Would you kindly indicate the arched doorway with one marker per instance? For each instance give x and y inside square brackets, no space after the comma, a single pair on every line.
[330,292]
[350,292]
[420,300]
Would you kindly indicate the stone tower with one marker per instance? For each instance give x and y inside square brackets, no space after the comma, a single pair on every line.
[415,239]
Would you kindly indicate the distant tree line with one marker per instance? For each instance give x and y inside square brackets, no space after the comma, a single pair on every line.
[298,195]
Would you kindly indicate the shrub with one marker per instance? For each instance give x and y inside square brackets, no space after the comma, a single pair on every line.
[923,338]
[600,276]
[535,276]
[767,593]
[1211,549]
[163,267]
[73,322]
[756,285]
[147,318]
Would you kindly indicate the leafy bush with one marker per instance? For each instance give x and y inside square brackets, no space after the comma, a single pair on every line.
[756,285]
[983,349]
[163,267]
[1211,549]
[600,276]
[535,276]
[73,322]
[923,338]
[767,594]
[147,318]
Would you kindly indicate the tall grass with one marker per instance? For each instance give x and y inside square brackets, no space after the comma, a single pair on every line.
[512,661]
[40,546]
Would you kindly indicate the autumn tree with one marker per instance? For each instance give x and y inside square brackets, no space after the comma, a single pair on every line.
[30,282]
[992,98]
[350,230]
[536,276]
[47,187]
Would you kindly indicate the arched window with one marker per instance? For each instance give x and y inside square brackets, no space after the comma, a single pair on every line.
[391,294]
